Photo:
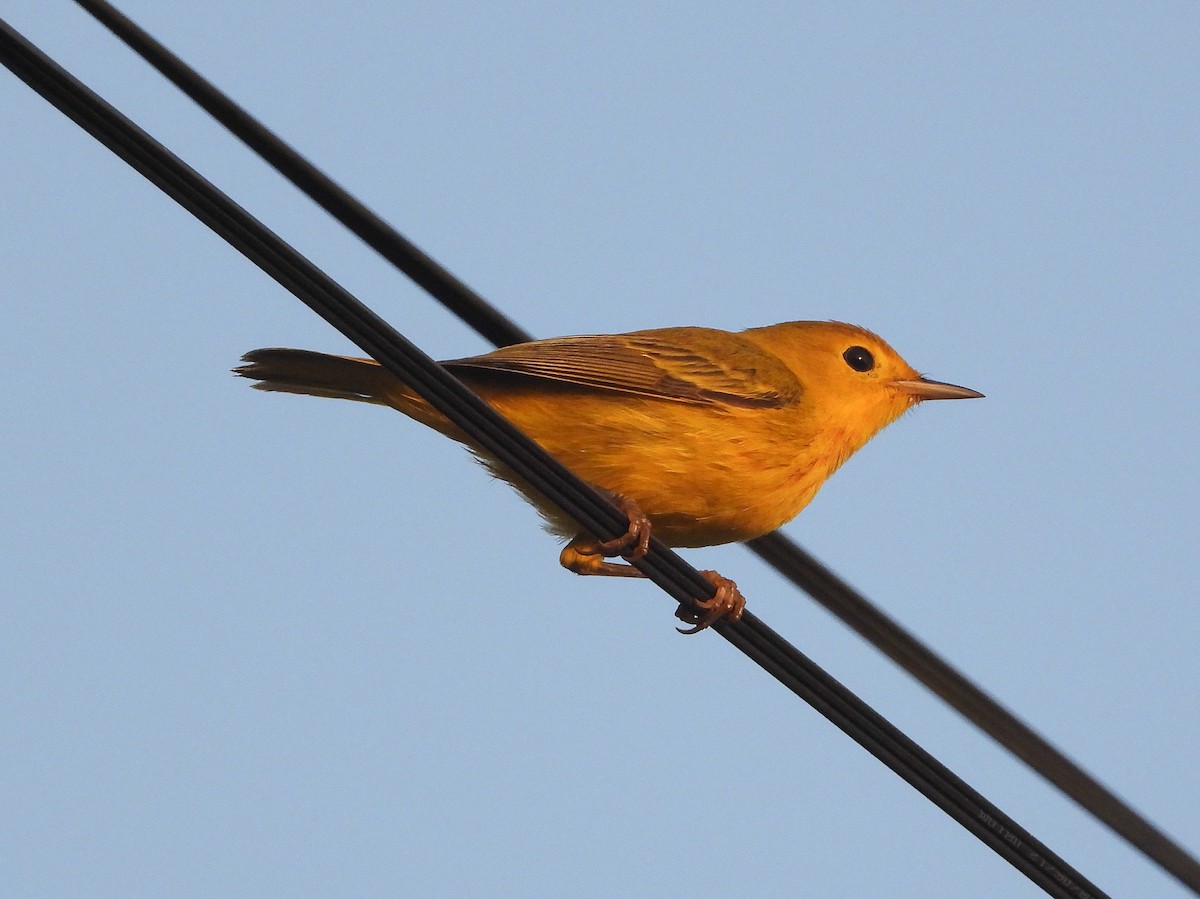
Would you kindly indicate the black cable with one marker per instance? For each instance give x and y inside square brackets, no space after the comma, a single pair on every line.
[374,231]
[530,462]
[776,549]
[807,573]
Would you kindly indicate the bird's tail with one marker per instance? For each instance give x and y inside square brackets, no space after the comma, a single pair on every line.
[340,377]
[366,381]
[319,374]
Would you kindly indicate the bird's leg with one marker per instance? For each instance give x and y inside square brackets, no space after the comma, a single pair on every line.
[586,555]
[726,602]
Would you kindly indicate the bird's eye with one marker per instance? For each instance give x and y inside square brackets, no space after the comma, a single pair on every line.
[859,358]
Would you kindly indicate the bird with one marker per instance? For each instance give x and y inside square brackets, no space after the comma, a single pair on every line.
[701,436]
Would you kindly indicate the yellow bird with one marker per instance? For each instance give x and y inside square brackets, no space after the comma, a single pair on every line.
[702,436]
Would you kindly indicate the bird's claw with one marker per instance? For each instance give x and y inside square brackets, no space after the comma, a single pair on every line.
[635,542]
[726,602]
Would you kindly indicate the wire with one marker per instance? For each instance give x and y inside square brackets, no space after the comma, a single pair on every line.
[378,234]
[803,569]
[806,572]
[530,462]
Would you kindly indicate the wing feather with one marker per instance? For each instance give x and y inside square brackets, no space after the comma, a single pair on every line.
[702,366]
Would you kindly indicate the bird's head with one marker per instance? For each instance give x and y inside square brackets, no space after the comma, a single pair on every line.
[853,383]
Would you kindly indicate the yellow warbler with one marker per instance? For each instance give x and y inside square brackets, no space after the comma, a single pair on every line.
[703,436]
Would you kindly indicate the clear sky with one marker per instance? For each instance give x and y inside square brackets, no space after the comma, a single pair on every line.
[269,645]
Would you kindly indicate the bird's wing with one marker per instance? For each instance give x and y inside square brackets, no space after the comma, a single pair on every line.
[689,365]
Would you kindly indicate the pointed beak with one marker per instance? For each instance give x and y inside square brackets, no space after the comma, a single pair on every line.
[925,389]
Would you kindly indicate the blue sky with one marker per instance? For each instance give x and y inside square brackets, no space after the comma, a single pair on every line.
[268,645]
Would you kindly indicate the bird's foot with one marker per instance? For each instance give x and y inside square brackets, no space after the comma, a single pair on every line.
[586,554]
[635,542]
[726,602]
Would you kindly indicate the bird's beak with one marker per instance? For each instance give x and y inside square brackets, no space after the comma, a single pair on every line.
[925,389]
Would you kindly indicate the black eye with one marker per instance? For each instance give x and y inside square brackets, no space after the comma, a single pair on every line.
[859,358]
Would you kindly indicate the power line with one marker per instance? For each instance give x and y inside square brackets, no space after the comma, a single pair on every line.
[531,463]
[456,296]
[776,549]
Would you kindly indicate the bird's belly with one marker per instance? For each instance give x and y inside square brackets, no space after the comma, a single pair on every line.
[721,506]
[729,481]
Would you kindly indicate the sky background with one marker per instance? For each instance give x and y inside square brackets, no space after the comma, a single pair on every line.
[270,645]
